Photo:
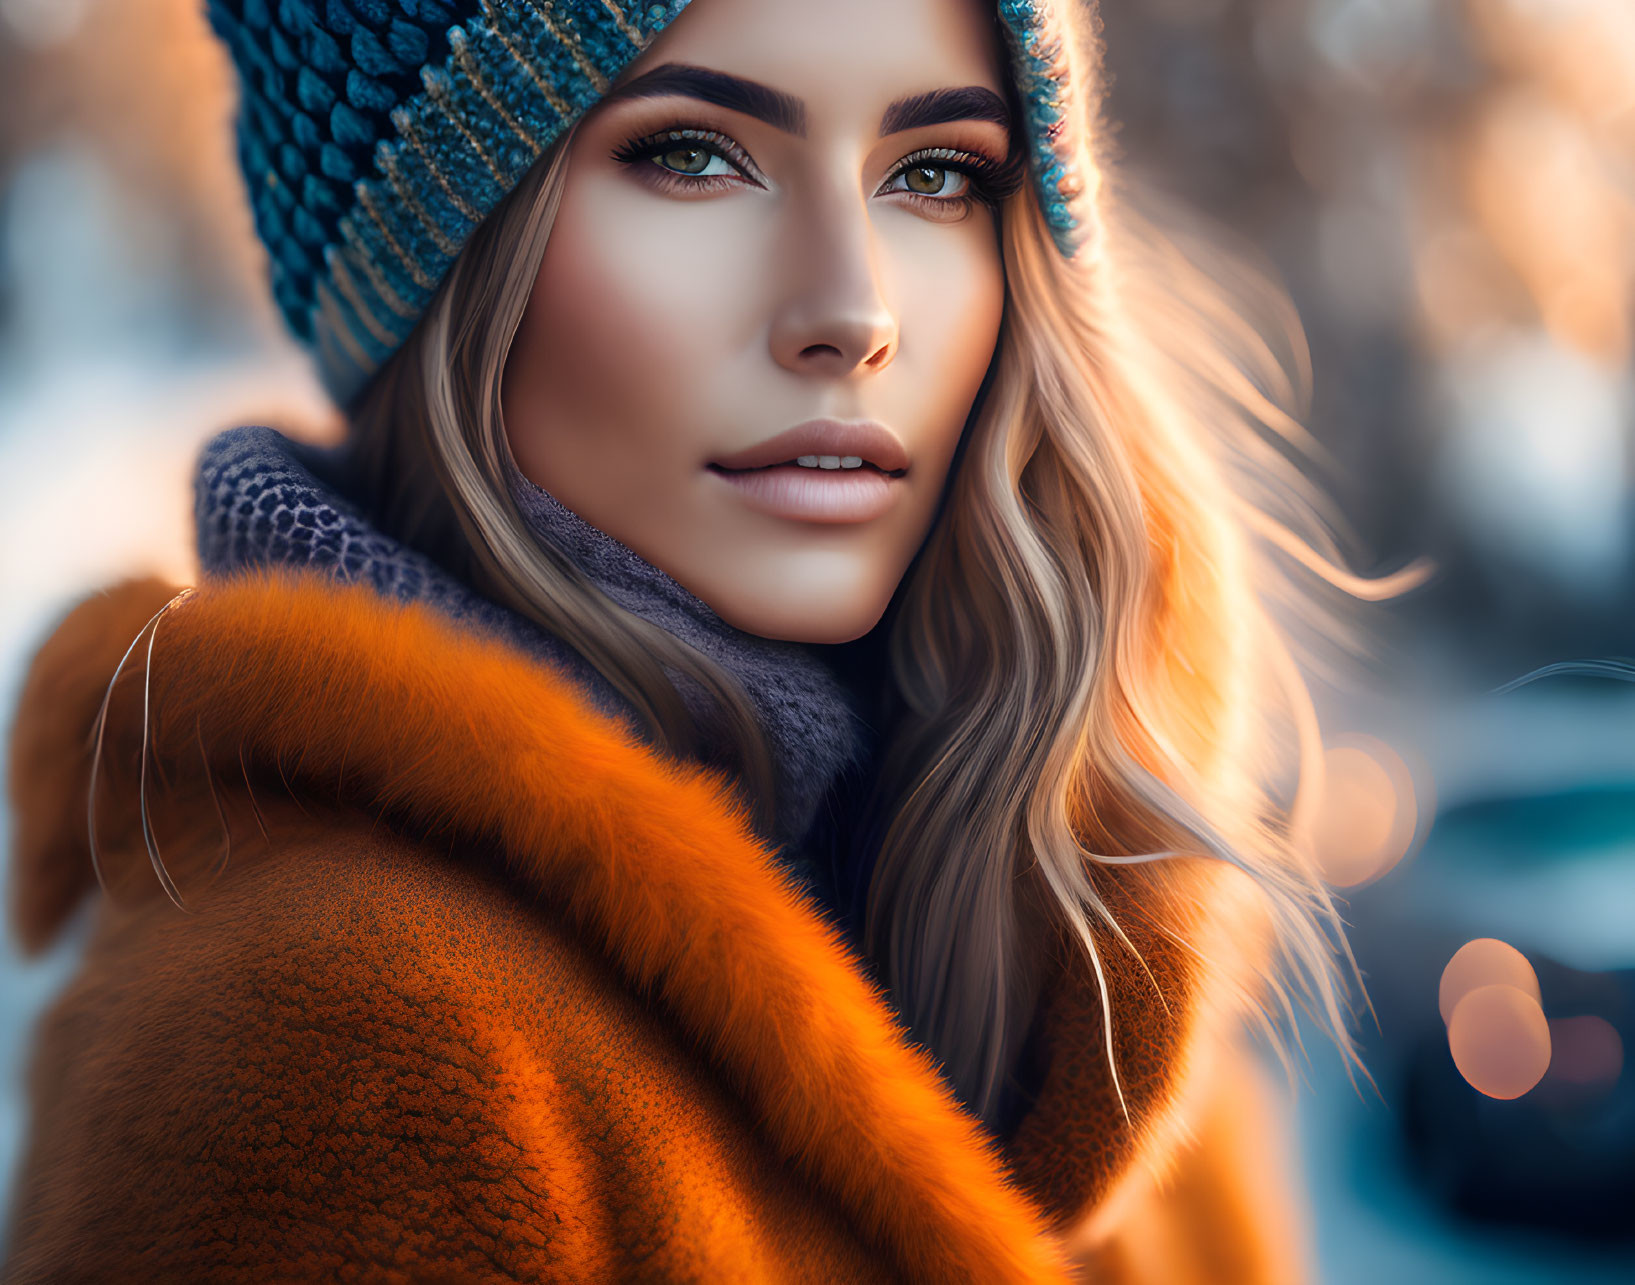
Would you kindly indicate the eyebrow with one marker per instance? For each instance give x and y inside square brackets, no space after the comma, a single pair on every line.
[788,113]
[778,109]
[941,106]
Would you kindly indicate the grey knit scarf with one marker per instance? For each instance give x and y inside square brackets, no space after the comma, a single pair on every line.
[262,499]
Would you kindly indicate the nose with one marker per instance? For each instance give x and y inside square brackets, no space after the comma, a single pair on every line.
[833,319]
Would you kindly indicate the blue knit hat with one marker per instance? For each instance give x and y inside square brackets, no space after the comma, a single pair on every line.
[375,136]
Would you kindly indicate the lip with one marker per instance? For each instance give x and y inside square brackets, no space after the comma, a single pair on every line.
[874,443]
[828,496]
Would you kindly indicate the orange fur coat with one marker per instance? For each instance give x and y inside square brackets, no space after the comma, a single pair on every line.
[486,991]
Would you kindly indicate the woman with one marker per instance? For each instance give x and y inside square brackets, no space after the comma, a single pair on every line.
[756,759]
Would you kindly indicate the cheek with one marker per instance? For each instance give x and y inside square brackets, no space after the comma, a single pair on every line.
[950,284]
[591,324]
[627,323]
[970,305]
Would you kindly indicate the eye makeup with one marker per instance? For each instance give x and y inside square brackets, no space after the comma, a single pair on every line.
[987,181]
[649,151]
[983,179]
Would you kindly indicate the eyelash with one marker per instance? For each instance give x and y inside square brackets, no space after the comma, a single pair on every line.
[991,182]
[652,146]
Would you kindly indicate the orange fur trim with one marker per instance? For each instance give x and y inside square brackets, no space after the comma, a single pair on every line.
[456,737]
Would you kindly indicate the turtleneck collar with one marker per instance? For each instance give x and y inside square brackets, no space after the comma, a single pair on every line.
[262,499]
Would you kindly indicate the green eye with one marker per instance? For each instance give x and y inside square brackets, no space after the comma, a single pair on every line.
[937,183]
[686,160]
[927,180]
[713,160]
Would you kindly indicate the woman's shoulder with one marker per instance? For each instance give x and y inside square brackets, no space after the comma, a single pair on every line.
[253,750]
[352,1050]
[357,1024]
[380,827]
[348,1056]
[183,702]
[340,1030]
[370,1055]
[334,955]
[331,897]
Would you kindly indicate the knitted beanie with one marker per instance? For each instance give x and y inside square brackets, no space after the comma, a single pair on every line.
[375,135]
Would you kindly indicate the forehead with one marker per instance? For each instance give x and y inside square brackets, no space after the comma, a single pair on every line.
[844,58]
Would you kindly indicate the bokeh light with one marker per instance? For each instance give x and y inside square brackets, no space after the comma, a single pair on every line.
[1589,1052]
[1369,814]
[1485,962]
[1500,1040]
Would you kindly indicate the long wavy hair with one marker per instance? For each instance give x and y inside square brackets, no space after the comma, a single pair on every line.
[1090,653]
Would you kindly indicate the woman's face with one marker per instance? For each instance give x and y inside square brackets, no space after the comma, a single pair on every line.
[774,243]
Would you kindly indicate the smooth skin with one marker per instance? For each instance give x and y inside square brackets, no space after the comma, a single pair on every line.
[772,263]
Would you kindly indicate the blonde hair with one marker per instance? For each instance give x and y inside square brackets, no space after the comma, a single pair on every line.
[1086,649]
[430,438]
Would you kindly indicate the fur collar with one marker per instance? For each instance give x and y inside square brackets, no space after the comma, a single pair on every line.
[455,736]
[263,500]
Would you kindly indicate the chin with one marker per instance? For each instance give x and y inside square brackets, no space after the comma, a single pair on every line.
[815,618]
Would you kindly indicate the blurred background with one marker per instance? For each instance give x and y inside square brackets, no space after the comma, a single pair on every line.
[1447,190]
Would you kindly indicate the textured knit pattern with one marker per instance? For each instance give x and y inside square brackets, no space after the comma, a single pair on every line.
[1053,58]
[375,135]
[258,502]
[262,500]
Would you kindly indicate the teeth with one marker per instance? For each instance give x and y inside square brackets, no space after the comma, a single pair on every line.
[808,461]
[830,461]
[851,461]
